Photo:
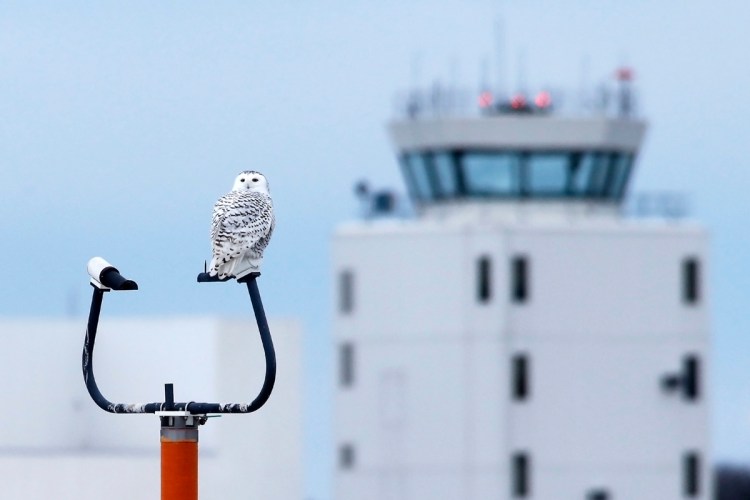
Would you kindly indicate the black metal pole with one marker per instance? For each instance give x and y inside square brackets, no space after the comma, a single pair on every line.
[88,366]
[270,355]
[88,351]
[191,407]
[267,341]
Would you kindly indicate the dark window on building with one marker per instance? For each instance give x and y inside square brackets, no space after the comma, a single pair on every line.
[691,471]
[346,456]
[520,377]
[521,482]
[484,279]
[519,273]
[691,377]
[346,291]
[346,364]
[691,280]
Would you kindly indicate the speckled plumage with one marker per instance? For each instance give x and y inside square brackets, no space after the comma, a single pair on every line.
[241,227]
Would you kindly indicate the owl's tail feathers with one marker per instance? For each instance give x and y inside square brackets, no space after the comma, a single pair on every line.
[226,270]
[223,269]
[215,267]
[235,267]
[247,265]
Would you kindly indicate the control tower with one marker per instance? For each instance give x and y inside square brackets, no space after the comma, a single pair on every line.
[519,337]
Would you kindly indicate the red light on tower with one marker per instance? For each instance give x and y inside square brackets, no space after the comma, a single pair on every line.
[624,74]
[485,99]
[624,77]
[543,100]
[518,102]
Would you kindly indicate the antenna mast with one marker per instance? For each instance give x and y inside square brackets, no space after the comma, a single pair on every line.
[501,88]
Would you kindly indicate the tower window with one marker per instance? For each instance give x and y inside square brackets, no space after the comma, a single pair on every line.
[520,377]
[691,474]
[691,280]
[547,174]
[521,486]
[346,364]
[346,456]
[418,177]
[484,279]
[519,279]
[435,175]
[346,291]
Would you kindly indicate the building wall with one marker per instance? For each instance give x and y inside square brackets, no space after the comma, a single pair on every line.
[425,366]
[55,442]
[429,411]
[604,323]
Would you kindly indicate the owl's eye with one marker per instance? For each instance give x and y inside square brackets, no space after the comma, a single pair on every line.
[255,179]
[242,180]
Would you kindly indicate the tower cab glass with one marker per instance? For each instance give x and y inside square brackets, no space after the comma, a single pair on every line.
[517,157]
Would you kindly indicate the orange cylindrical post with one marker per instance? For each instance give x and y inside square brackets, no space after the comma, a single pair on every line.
[179,459]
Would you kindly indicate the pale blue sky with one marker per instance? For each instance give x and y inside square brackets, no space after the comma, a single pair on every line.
[120,125]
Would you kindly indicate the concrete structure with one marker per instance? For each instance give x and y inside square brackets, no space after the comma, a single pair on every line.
[64,447]
[519,338]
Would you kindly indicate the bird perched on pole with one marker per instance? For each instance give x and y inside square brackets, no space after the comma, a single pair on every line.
[241,227]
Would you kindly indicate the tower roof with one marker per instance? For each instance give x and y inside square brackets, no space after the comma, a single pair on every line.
[527,132]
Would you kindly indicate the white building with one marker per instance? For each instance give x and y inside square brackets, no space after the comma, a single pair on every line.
[55,443]
[520,338]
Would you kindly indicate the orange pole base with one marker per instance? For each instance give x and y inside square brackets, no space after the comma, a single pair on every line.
[179,469]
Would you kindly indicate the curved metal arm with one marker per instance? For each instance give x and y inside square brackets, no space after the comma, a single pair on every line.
[191,407]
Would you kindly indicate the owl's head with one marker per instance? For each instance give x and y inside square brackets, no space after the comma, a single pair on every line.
[251,180]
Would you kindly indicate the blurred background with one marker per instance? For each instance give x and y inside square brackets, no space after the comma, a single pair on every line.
[121,125]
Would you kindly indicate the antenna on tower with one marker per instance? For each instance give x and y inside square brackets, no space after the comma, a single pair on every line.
[416,63]
[501,87]
[485,99]
[625,102]
[455,70]
[521,84]
[413,105]
[583,90]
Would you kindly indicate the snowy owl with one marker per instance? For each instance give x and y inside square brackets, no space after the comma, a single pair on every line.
[241,226]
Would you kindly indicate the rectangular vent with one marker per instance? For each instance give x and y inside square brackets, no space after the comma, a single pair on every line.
[520,464]
[346,292]
[691,282]
[691,474]
[691,377]
[520,377]
[484,279]
[519,279]
[598,495]
[346,456]
[346,364]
